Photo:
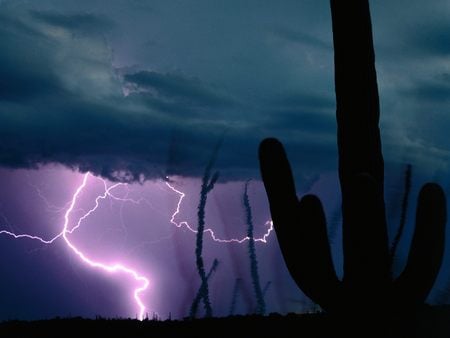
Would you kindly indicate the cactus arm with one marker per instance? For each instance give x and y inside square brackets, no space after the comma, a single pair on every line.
[427,247]
[278,180]
[300,228]
[314,256]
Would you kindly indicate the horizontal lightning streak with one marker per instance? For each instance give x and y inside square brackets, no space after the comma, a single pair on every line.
[182,195]
[40,239]
[81,219]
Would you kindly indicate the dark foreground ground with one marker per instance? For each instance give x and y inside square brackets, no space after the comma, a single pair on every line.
[430,323]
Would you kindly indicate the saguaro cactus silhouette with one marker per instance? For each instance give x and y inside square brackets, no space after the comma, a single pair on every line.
[300,224]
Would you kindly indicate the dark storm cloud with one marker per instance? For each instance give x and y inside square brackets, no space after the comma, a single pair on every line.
[80,23]
[302,38]
[61,100]
[436,90]
[411,44]
[433,39]
[81,85]
[306,121]
[25,72]
[301,100]
[72,111]
[176,87]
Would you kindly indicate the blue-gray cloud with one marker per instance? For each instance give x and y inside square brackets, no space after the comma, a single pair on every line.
[302,38]
[62,100]
[75,23]
[436,90]
[433,39]
[178,89]
[146,90]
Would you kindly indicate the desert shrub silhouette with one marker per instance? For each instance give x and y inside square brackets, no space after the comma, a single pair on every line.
[403,211]
[300,225]
[208,182]
[254,273]
[234,295]
[201,291]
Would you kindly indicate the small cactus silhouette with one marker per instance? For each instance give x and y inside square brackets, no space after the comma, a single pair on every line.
[300,224]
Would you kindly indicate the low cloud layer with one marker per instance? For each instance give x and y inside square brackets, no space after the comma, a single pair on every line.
[147,91]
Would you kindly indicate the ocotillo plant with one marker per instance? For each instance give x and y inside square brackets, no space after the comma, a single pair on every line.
[334,224]
[237,284]
[300,224]
[266,288]
[208,182]
[201,291]
[404,210]
[261,304]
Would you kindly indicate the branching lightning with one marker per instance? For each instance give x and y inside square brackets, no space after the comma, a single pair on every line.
[182,195]
[117,267]
[110,268]
[69,226]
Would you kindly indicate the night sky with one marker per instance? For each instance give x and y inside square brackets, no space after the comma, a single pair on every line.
[127,93]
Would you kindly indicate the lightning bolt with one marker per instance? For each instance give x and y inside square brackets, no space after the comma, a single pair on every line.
[110,268]
[67,229]
[117,267]
[182,195]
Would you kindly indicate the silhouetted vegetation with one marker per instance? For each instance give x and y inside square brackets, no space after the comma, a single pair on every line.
[404,210]
[368,286]
[261,304]
[208,182]
[335,224]
[236,288]
[433,322]
[266,288]
[199,295]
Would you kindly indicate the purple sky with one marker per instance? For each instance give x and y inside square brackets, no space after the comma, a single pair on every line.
[136,232]
[132,226]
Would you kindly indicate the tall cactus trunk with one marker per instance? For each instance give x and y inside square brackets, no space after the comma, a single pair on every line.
[366,250]
[301,226]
